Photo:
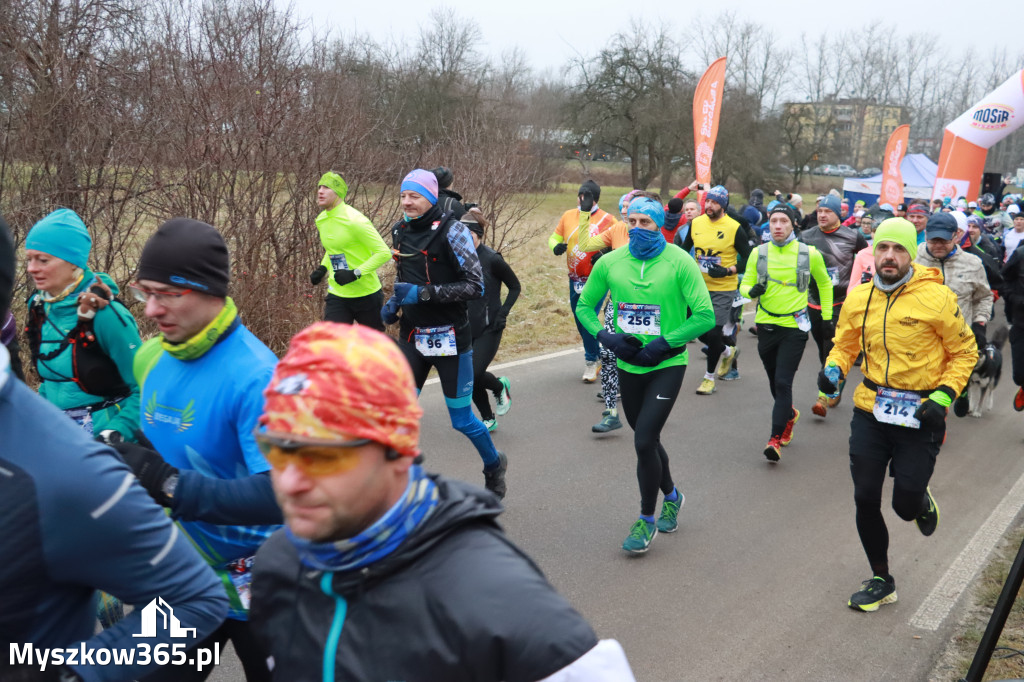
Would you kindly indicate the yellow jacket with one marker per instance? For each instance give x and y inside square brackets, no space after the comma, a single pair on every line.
[914,339]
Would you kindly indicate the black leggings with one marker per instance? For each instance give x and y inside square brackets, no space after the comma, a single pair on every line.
[781,349]
[909,454]
[716,345]
[1017,351]
[824,345]
[485,347]
[364,310]
[248,650]
[647,401]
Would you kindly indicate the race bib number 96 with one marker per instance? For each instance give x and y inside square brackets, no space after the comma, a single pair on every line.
[435,341]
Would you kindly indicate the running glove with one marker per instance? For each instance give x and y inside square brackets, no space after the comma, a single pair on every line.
[317,275]
[829,378]
[560,248]
[149,467]
[624,346]
[344,276]
[828,329]
[715,270]
[389,313]
[109,436]
[586,202]
[932,411]
[979,336]
[757,291]
[655,353]
[594,256]
[500,320]
[407,294]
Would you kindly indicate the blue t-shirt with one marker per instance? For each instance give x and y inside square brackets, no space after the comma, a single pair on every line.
[200,415]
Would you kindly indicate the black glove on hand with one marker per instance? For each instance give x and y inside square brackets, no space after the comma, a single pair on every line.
[560,248]
[389,313]
[625,346]
[715,270]
[828,329]
[586,202]
[500,320]
[757,290]
[594,256]
[344,276]
[149,467]
[317,275]
[654,353]
[110,436]
[979,335]
[826,386]
[931,415]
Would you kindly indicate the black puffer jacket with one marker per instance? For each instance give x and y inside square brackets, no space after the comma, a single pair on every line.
[838,248]
[457,602]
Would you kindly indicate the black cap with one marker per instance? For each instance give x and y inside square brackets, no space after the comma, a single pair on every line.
[6,269]
[444,177]
[592,187]
[189,254]
[940,226]
[675,205]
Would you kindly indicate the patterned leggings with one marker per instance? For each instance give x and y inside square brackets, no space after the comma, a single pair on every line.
[609,369]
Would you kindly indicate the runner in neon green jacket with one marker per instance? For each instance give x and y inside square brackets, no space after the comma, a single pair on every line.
[651,284]
[353,252]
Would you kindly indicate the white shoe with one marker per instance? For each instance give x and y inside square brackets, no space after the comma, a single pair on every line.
[590,372]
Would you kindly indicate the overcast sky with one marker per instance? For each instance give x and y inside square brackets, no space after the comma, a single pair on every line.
[551,32]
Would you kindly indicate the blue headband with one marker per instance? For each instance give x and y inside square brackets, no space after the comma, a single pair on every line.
[648,207]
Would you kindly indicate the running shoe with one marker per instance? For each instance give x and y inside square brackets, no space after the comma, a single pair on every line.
[725,364]
[667,522]
[503,401]
[928,520]
[609,422]
[753,330]
[707,387]
[640,536]
[732,375]
[773,449]
[494,479]
[1018,400]
[787,435]
[491,423]
[834,402]
[873,594]
[820,408]
[590,372]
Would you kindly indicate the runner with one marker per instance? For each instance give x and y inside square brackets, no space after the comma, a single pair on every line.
[780,280]
[721,247]
[82,342]
[487,317]
[354,251]
[918,356]
[839,246]
[565,239]
[378,550]
[1012,289]
[72,522]
[864,262]
[448,200]
[438,271]
[651,285]
[201,380]
[918,213]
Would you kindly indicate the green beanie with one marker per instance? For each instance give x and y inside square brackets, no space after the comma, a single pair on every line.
[899,230]
[335,183]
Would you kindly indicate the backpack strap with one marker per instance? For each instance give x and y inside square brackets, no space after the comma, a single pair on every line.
[803,267]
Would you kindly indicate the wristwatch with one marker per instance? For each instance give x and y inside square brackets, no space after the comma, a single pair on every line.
[170,485]
[424,294]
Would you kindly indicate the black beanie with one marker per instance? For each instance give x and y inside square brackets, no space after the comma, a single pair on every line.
[786,209]
[675,205]
[444,177]
[6,269]
[592,187]
[189,254]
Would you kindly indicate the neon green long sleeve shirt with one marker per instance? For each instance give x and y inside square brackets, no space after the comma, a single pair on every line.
[656,291]
[351,242]
[784,299]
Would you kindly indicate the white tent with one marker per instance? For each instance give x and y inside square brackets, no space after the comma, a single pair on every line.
[918,179]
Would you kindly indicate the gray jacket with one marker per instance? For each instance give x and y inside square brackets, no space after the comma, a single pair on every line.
[964,273]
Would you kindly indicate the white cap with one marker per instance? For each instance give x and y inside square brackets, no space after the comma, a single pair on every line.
[1013,209]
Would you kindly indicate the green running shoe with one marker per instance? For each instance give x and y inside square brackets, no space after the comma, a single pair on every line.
[667,522]
[503,400]
[640,535]
[491,424]
[875,592]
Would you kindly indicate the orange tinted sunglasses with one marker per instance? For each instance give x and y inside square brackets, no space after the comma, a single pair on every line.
[313,458]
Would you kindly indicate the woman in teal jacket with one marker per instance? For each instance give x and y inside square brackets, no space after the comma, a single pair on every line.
[82,355]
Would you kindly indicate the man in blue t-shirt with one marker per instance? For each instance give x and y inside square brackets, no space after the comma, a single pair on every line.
[201,385]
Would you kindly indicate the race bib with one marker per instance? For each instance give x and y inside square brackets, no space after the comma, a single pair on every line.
[338,262]
[640,318]
[897,407]
[240,573]
[803,322]
[707,261]
[83,417]
[577,286]
[435,341]
[833,274]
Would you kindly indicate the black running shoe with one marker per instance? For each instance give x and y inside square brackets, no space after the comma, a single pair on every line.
[494,479]
[873,594]
[928,520]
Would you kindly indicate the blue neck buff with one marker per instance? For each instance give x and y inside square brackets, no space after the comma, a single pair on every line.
[646,244]
[383,537]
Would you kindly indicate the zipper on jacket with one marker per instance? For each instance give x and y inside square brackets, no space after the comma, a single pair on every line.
[891,301]
[337,622]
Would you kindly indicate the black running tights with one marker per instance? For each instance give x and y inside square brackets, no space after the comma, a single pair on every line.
[485,347]
[781,349]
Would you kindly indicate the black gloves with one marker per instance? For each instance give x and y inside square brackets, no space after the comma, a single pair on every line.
[715,270]
[317,275]
[110,436]
[931,415]
[828,329]
[594,256]
[150,468]
[500,320]
[344,276]
[560,248]
[757,290]
[655,353]
[586,202]
[829,383]
[979,335]
[625,346]
[389,313]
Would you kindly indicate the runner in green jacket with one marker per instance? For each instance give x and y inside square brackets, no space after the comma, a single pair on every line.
[782,320]
[354,251]
[652,283]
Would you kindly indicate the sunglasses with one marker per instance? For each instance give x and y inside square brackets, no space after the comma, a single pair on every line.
[142,294]
[312,457]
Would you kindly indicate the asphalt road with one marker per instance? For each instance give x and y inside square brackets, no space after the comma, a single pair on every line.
[754,584]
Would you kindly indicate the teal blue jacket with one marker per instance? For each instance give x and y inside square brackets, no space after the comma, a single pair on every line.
[118,336]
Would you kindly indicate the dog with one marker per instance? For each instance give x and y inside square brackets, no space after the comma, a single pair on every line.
[985,378]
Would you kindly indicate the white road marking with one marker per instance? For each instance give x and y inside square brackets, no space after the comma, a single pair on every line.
[524,361]
[948,590]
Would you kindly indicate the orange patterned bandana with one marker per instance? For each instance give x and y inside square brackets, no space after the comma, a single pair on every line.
[344,381]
